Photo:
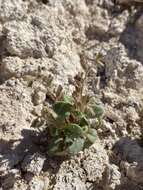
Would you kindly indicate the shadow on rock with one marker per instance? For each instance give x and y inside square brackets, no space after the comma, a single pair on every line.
[129,35]
[27,155]
[128,155]
[12,153]
[129,150]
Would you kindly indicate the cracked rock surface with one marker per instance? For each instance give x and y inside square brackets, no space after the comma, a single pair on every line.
[44,40]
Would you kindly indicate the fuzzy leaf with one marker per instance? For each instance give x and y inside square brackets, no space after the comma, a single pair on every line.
[68,99]
[77,146]
[85,129]
[78,113]
[91,135]
[91,138]
[68,140]
[82,118]
[73,130]
[62,108]
[98,110]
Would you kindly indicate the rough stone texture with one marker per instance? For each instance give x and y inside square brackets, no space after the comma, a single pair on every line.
[12,9]
[100,27]
[7,162]
[94,162]
[36,184]
[139,40]
[35,38]
[128,1]
[129,150]
[134,171]
[40,38]
[33,163]
[122,70]
[89,166]
[63,67]
[118,24]
[8,180]
[130,153]
[112,177]
[15,107]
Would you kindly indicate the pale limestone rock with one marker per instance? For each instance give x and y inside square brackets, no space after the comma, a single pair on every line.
[100,21]
[38,39]
[90,166]
[33,163]
[15,107]
[139,40]
[37,36]
[7,162]
[113,177]
[118,24]
[12,9]
[36,184]
[39,96]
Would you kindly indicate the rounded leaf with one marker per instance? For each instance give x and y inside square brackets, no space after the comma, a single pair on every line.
[73,130]
[62,108]
[91,135]
[76,147]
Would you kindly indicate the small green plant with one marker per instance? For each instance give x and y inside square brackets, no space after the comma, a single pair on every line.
[68,128]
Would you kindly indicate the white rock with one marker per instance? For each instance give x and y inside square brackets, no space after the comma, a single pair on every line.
[7,162]
[89,166]
[33,163]
[113,177]
[118,24]
[94,162]
[12,9]
[38,36]
[15,107]
[100,21]
[36,184]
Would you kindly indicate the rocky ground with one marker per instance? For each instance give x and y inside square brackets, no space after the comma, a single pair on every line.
[59,38]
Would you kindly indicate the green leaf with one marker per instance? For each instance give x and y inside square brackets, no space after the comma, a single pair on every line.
[57,141]
[62,108]
[68,99]
[78,113]
[92,131]
[77,146]
[83,121]
[91,135]
[85,128]
[91,138]
[73,130]
[68,140]
[98,109]
[82,118]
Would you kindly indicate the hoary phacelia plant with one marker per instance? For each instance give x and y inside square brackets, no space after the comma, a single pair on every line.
[69,129]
